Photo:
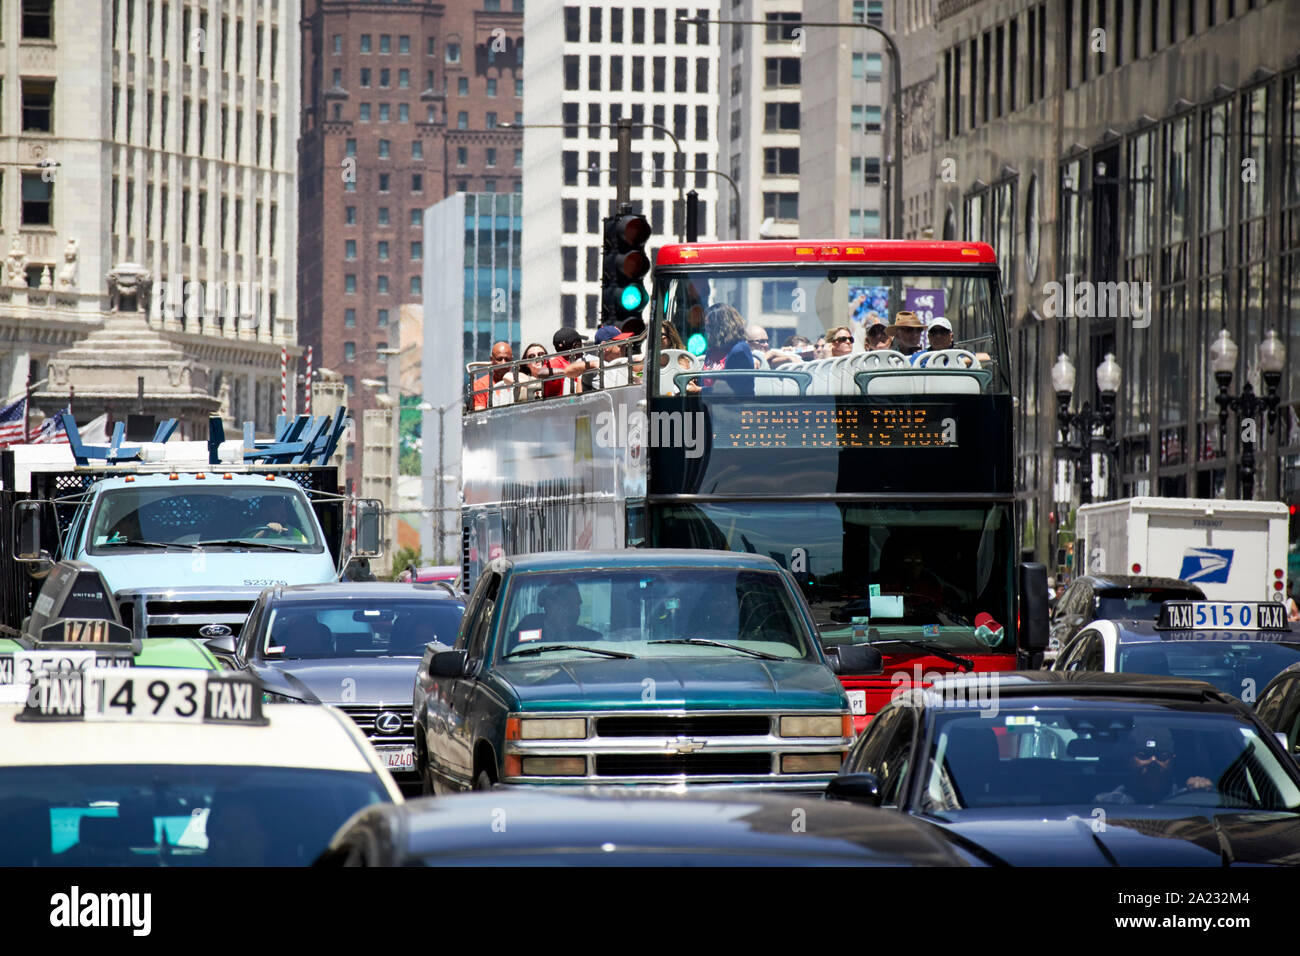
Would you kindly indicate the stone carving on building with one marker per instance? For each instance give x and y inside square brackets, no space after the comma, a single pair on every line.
[68,271]
[918,113]
[47,278]
[128,287]
[16,265]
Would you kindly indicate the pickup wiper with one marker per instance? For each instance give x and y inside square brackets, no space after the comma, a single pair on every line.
[934,649]
[245,543]
[141,543]
[543,648]
[702,642]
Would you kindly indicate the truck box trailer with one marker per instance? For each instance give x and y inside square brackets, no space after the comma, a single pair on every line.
[1235,550]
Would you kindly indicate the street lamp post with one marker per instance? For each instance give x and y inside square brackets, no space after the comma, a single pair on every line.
[1247,405]
[1087,420]
[440,507]
[896,95]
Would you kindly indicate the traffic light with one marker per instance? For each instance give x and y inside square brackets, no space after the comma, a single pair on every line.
[625,264]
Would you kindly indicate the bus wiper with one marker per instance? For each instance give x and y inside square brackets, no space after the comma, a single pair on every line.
[543,648]
[702,642]
[934,649]
[246,543]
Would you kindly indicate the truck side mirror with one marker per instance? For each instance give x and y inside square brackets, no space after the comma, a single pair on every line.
[1034,631]
[28,544]
[855,659]
[448,664]
[369,528]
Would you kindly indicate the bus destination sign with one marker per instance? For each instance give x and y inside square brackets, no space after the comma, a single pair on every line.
[845,426]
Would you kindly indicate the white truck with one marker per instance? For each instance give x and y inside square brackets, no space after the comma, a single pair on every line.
[1235,550]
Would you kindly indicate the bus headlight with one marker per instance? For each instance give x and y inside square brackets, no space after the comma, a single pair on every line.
[546,728]
[827,726]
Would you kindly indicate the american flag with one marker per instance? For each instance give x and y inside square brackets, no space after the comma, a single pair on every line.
[52,432]
[13,423]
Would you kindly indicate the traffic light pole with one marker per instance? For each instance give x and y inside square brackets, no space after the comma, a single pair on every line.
[624,194]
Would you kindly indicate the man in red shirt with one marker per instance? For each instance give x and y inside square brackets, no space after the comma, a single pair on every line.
[502,356]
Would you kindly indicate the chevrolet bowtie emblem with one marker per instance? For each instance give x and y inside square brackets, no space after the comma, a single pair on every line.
[686,745]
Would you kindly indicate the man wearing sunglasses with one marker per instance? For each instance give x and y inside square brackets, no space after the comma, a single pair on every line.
[1150,770]
[761,345]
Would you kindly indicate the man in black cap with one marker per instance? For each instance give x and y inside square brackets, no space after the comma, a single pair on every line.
[1150,765]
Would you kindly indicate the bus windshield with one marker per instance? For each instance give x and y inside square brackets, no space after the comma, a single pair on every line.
[791,323]
[938,573]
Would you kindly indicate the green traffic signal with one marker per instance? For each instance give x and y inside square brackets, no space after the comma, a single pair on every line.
[632,297]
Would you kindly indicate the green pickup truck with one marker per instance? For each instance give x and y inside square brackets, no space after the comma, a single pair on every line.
[641,667]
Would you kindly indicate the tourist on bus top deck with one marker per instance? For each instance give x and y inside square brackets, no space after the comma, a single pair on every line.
[765,356]
[877,337]
[841,339]
[907,329]
[939,333]
[502,356]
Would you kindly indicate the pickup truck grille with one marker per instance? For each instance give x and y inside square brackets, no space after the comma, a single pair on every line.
[364,716]
[655,765]
[709,725]
[185,618]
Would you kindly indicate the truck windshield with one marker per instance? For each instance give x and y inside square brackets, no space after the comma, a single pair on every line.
[219,517]
[634,611]
[920,572]
[1234,667]
[739,321]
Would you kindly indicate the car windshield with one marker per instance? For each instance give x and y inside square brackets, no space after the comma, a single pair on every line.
[170,815]
[217,516]
[1138,604]
[384,627]
[628,610]
[1045,756]
[1240,668]
[790,309]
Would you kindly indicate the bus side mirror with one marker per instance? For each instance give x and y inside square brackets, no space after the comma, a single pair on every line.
[1034,631]
[28,543]
[369,528]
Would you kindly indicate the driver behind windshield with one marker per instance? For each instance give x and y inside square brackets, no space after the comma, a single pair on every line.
[1149,760]
[561,605]
[277,520]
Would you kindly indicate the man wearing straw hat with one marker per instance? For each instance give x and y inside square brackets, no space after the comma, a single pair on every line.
[906,330]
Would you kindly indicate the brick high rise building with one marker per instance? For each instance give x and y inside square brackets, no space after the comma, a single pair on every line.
[401,106]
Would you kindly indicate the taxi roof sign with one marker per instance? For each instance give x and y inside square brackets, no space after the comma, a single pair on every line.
[1223,615]
[144,694]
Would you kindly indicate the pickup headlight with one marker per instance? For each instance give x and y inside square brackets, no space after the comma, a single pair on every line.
[546,728]
[811,763]
[554,766]
[827,726]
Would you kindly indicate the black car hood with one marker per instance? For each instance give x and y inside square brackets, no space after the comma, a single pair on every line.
[1125,836]
[386,680]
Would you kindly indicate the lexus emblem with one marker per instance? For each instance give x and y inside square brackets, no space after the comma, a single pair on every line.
[209,631]
[389,723]
[686,745]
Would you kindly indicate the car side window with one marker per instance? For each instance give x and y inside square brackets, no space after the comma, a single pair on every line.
[1269,706]
[897,758]
[1069,654]
[870,751]
[471,612]
[1091,656]
[1290,718]
[246,648]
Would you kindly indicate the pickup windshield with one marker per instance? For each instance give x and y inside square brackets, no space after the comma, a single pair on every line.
[654,612]
[127,519]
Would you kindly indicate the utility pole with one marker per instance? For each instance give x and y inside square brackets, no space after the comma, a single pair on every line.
[624,164]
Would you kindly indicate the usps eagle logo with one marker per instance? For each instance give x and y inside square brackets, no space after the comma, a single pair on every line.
[1206,565]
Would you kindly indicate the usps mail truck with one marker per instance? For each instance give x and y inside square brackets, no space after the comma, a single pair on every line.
[1235,550]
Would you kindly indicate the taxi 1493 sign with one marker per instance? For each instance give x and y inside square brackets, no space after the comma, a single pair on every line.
[161,694]
[1221,615]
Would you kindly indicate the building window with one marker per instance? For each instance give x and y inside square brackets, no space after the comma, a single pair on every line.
[417,149]
[781,26]
[381,320]
[490,156]
[364,115]
[385,78]
[383,182]
[365,76]
[383,251]
[781,161]
[349,318]
[38,107]
[417,182]
[491,120]
[783,207]
[569,216]
[453,52]
[415,285]
[38,19]
[462,86]
[338,43]
[38,201]
[350,284]
[350,249]
[417,250]
[593,73]
[351,215]
[349,351]
[519,158]
[382,214]
[491,87]
[780,117]
[701,122]
[781,71]
[462,155]
[462,120]
[404,45]
[365,43]
[385,43]
[351,147]
[383,112]
[384,146]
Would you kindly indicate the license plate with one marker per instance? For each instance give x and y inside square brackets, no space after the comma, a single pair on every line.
[399,757]
[857,702]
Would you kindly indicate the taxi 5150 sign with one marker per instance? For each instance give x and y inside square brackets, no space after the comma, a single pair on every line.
[160,694]
[1216,615]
